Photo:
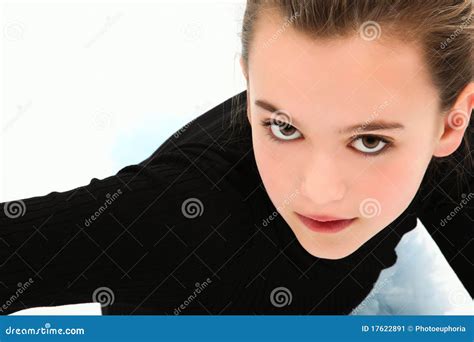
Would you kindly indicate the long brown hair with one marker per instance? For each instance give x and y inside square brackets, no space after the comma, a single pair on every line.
[444,30]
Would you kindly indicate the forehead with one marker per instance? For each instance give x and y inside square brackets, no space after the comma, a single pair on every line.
[342,73]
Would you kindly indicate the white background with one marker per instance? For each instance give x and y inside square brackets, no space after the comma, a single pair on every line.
[90,87]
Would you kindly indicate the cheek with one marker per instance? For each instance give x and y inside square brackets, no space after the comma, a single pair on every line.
[275,171]
[389,187]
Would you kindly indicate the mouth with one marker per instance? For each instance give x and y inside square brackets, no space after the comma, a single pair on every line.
[326,226]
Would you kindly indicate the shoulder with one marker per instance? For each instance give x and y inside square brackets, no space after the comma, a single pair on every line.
[211,143]
[200,178]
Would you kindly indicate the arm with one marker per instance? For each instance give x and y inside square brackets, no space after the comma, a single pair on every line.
[90,243]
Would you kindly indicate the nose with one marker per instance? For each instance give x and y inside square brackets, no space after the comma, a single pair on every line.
[322,181]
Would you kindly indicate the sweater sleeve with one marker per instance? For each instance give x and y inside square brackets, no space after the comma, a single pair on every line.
[122,241]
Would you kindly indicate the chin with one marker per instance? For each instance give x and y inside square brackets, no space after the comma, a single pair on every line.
[331,255]
[328,251]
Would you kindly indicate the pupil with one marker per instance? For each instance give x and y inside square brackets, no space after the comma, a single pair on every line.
[285,128]
[372,142]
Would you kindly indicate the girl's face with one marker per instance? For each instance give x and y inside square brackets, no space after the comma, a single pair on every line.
[353,127]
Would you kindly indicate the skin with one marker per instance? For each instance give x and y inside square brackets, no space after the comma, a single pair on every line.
[323,86]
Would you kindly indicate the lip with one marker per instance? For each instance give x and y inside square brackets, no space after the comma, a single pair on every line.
[324,218]
[325,224]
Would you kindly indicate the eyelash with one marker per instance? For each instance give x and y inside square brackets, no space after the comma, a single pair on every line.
[388,144]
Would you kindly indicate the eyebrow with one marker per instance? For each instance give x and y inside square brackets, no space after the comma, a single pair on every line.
[374,125]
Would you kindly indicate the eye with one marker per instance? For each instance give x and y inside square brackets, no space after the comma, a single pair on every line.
[280,130]
[370,144]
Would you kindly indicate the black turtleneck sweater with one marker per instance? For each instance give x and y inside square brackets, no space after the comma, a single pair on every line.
[182,233]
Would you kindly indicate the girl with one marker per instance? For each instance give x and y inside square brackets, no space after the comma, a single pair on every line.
[287,198]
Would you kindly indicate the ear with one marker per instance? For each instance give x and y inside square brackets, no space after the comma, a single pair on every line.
[456,122]
[245,73]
